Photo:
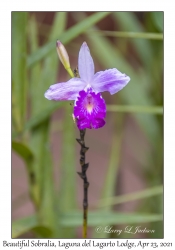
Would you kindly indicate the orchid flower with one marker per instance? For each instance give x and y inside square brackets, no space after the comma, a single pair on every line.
[89,106]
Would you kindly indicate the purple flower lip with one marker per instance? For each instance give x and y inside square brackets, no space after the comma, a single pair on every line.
[90,110]
[89,107]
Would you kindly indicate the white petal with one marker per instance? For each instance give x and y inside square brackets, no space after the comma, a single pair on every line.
[66,90]
[110,80]
[85,64]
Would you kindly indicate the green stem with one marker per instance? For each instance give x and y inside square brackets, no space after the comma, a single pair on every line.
[70,72]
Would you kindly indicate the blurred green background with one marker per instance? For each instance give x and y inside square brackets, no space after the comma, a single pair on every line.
[125,156]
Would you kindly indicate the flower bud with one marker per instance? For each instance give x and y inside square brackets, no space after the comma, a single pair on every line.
[62,53]
[64,58]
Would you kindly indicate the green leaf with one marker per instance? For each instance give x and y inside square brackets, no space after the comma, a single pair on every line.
[40,135]
[67,36]
[37,68]
[67,190]
[19,75]
[135,109]
[158,17]
[113,167]
[41,107]
[128,22]
[129,34]
[46,213]
[42,231]
[74,219]
[59,25]
[22,150]
[41,116]
[150,192]
[27,224]
[23,225]
[114,160]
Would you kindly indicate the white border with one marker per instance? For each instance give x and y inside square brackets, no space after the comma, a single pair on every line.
[5,93]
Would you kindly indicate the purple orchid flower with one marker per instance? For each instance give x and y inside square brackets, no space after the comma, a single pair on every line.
[89,106]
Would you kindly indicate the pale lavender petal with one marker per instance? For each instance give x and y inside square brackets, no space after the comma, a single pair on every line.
[85,63]
[110,80]
[66,90]
[90,110]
